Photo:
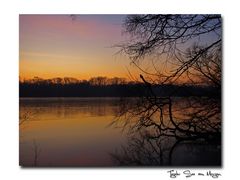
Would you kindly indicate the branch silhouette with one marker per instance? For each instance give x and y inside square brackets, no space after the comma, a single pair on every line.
[158,124]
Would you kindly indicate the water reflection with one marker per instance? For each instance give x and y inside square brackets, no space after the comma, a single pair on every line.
[144,151]
[76,132]
[64,107]
[170,132]
[69,132]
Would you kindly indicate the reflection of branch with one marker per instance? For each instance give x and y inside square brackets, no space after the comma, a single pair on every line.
[153,119]
[140,152]
[166,121]
[36,151]
[24,117]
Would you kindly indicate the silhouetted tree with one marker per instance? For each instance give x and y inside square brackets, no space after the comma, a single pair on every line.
[184,42]
[190,45]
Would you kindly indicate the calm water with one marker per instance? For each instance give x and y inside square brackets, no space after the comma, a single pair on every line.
[74,132]
[68,132]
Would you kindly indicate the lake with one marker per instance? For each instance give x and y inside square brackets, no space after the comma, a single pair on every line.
[76,132]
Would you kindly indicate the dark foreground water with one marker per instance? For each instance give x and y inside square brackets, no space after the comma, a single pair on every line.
[75,132]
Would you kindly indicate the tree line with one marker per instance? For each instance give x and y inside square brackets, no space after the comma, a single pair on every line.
[98,81]
[102,87]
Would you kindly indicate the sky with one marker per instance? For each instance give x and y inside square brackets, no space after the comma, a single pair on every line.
[80,47]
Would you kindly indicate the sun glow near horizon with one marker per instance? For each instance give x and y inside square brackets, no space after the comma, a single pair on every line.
[53,46]
[57,46]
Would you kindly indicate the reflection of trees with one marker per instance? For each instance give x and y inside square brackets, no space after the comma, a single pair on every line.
[24,117]
[36,151]
[159,124]
[64,107]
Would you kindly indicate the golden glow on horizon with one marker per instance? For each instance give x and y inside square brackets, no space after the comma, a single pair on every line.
[48,69]
[54,46]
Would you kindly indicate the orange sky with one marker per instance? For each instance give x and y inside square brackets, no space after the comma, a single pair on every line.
[56,46]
